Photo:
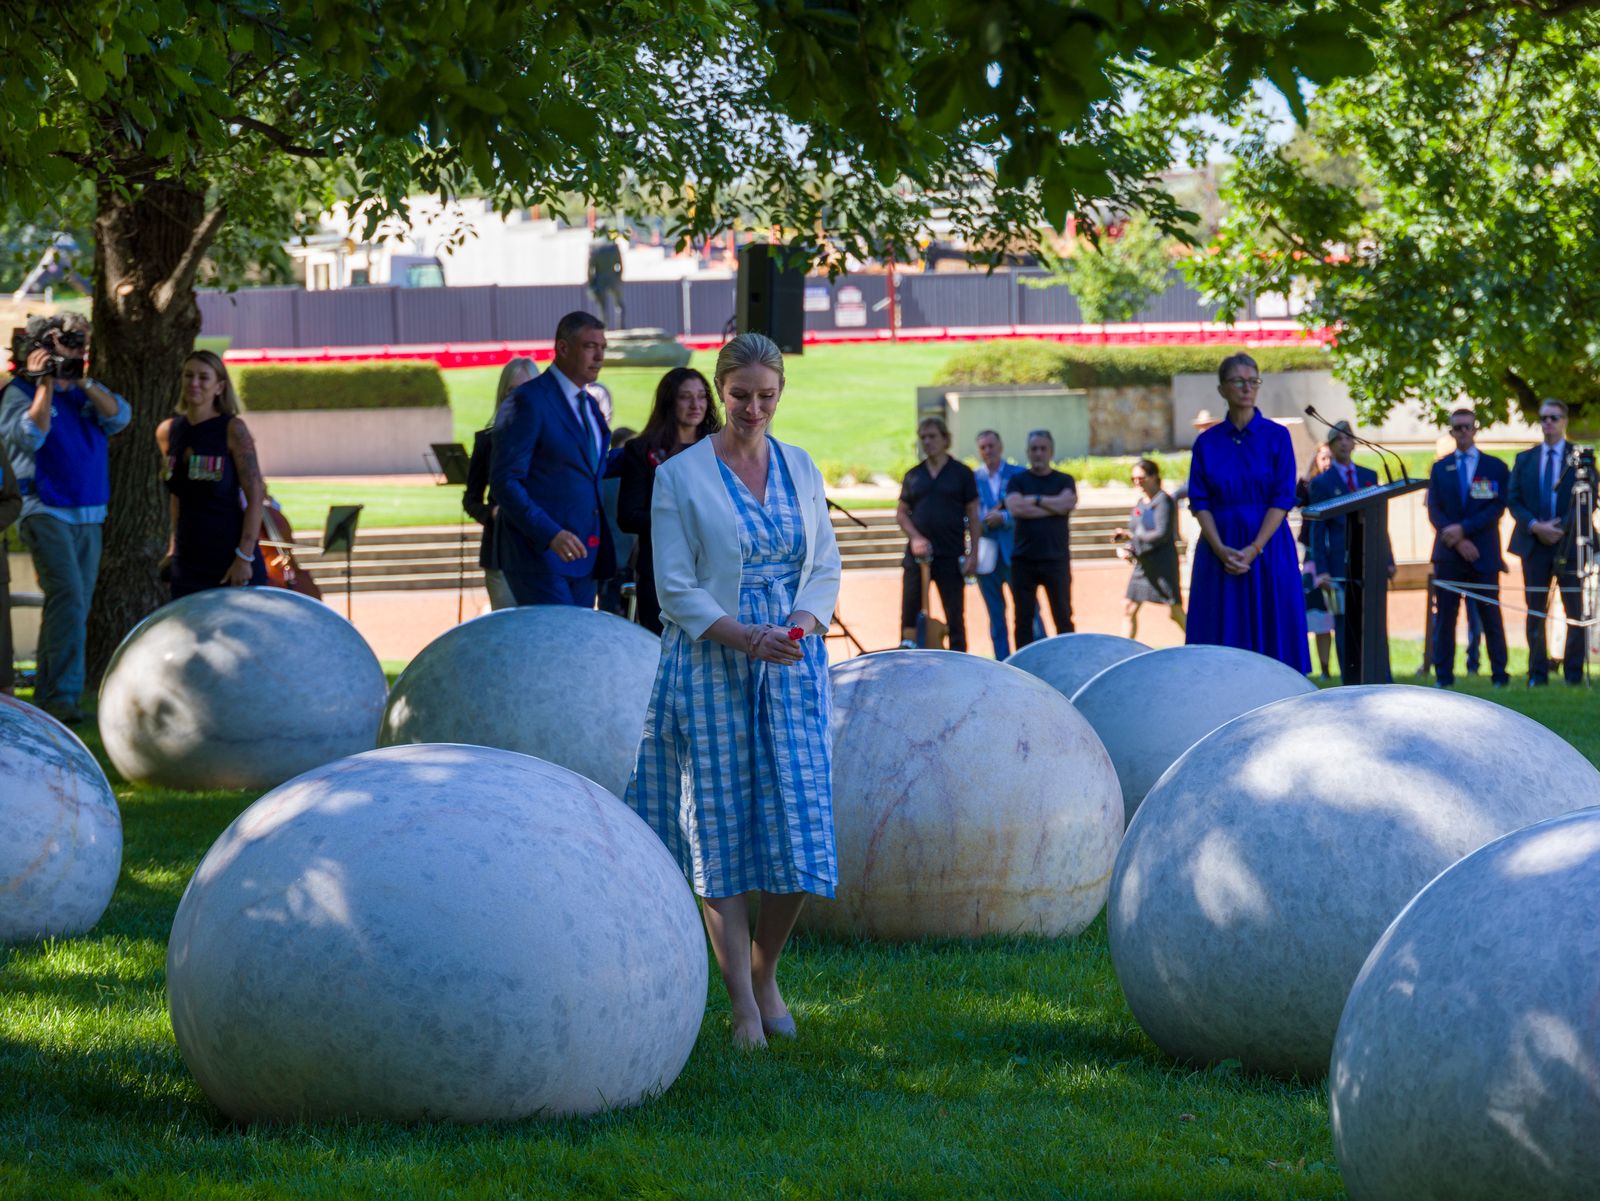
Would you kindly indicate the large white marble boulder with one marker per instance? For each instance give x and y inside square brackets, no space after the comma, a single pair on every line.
[969,799]
[1149,709]
[60,831]
[1467,1064]
[441,932]
[1067,662]
[564,684]
[1263,867]
[239,688]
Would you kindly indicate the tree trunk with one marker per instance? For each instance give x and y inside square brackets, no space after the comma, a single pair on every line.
[147,239]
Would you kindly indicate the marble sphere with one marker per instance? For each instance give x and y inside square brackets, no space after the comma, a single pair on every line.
[969,799]
[60,831]
[1150,708]
[441,932]
[564,684]
[239,688]
[1263,867]
[1069,661]
[1467,1063]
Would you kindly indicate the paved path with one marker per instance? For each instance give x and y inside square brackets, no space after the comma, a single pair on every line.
[399,624]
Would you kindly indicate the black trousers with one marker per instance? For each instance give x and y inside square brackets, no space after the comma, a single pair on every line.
[1538,569]
[945,575]
[1027,577]
[1487,586]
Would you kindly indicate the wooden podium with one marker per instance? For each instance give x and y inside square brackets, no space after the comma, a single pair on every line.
[1365,513]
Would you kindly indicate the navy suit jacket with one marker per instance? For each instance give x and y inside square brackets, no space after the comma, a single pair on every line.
[1326,546]
[545,477]
[1526,505]
[1479,517]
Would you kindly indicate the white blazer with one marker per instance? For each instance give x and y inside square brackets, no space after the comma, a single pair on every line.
[694,535]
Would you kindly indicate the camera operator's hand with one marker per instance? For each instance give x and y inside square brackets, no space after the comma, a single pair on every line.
[38,364]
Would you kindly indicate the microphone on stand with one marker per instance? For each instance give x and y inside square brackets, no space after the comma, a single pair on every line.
[1311,411]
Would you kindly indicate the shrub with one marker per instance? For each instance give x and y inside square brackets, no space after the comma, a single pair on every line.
[1026,362]
[277,387]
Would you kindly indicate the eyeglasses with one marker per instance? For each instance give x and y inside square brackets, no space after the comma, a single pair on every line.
[1138,479]
[1253,382]
[1543,417]
[1461,429]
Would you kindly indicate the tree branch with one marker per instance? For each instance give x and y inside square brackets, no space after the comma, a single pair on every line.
[282,140]
[188,265]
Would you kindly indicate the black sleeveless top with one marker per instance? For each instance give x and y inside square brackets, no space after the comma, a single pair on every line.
[201,474]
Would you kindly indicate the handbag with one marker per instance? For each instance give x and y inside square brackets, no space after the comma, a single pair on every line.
[988,555]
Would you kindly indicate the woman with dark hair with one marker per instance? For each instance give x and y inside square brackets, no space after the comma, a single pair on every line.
[1152,546]
[682,414]
[217,492]
[1245,588]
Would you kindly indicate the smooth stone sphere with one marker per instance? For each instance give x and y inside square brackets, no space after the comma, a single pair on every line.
[436,932]
[567,685]
[1149,709]
[1067,662]
[1261,870]
[239,688]
[60,831]
[1467,1064]
[969,799]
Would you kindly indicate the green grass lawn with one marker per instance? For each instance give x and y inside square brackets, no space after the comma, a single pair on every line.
[1006,1067]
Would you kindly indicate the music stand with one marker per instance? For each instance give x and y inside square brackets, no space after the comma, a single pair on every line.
[452,462]
[339,533]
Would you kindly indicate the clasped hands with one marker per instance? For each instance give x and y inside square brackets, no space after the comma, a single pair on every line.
[768,643]
[1238,561]
[1456,539]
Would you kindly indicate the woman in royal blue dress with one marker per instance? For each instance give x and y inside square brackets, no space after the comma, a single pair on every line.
[735,769]
[1246,590]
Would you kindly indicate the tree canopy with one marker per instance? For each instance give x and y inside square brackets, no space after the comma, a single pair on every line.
[1442,211]
[199,132]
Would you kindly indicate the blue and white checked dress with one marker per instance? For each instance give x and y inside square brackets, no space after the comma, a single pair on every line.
[735,770]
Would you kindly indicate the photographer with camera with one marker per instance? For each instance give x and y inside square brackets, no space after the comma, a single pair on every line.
[55,422]
[1540,499]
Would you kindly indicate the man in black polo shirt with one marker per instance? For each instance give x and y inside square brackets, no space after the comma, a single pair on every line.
[938,507]
[1040,499]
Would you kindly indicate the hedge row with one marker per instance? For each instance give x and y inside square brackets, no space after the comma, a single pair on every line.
[1074,366]
[276,387]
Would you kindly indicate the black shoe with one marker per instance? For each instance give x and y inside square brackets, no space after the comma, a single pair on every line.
[1444,683]
[67,715]
[1538,682]
[1505,683]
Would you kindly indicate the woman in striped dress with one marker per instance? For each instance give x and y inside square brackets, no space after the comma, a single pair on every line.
[735,770]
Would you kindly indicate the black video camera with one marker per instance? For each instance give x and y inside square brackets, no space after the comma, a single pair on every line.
[65,348]
[1581,460]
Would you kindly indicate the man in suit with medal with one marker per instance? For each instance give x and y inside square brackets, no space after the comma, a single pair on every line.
[1327,545]
[1540,500]
[550,443]
[1467,494]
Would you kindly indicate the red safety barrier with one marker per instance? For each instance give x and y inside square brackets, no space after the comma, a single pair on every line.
[494,354]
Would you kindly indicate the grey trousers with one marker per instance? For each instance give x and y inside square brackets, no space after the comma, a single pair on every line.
[67,560]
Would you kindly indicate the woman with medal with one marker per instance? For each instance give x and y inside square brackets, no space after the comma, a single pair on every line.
[216,488]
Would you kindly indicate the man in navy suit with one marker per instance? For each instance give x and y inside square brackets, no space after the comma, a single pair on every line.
[550,443]
[1327,549]
[1540,501]
[1466,496]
